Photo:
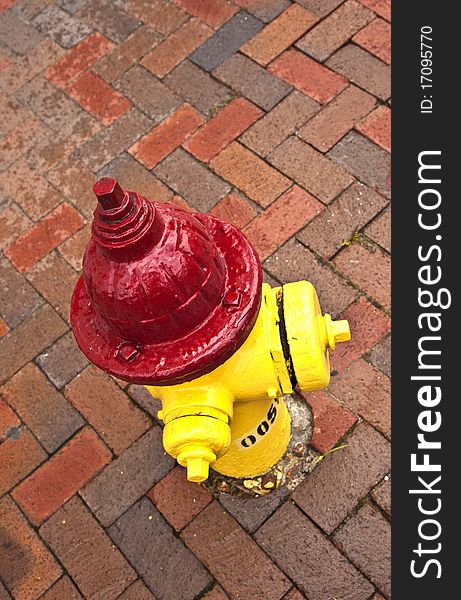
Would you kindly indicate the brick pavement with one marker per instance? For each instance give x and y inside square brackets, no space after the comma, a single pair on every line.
[271,114]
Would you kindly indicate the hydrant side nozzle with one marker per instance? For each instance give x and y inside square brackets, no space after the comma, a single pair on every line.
[336,331]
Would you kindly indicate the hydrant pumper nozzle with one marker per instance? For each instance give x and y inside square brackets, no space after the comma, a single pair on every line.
[174,301]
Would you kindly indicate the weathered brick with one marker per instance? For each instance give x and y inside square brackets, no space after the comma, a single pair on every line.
[20,454]
[43,237]
[279,35]
[377,127]
[381,7]
[107,144]
[136,591]
[78,59]
[310,169]
[222,129]
[189,178]
[251,512]
[364,461]
[18,35]
[331,421]
[197,87]
[264,10]
[62,589]
[44,410]
[74,248]
[19,180]
[368,326]
[143,398]
[98,98]
[127,478]
[14,223]
[176,47]
[315,565]
[293,594]
[29,338]
[12,113]
[97,567]
[8,420]
[212,12]
[251,80]
[53,277]
[308,76]
[217,593]
[179,500]
[321,8]
[107,408]
[279,123]
[364,160]
[369,268]
[166,137]
[27,567]
[20,139]
[247,572]
[363,69]
[334,31]
[18,299]
[337,118]
[226,41]
[234,209]
[367,392]
[382,495]
[162,15]
[249,173]
[57,480]
[75,182]
[65,29]
[133,176]
[62,361]
[366,540]
[342,218]
[380,356]
[107,17]
[376,38]
[151,546]
[3,328]
[281,220]
[123,56]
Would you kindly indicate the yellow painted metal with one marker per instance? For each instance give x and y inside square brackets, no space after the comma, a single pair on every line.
[234,418]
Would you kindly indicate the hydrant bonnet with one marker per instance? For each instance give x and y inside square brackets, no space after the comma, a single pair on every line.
[166,295]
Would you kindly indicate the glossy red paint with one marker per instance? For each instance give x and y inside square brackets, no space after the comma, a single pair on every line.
[166,295]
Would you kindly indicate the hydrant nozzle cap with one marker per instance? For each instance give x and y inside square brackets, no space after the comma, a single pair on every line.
[197,469]
[109,193]
[337,331]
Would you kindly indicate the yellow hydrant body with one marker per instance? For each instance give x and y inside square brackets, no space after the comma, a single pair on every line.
[234,418]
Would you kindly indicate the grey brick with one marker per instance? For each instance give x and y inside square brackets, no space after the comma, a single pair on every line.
[16,34]
[110,19]
[252,512]
[18,299]
[226,41]
[65,29]
[62,361]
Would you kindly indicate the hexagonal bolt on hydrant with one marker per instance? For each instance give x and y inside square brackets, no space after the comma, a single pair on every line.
[174,301]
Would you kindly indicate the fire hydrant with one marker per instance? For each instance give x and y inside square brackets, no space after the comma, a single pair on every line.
[175,301]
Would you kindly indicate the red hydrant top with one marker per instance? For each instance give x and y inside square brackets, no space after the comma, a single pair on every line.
[166,295]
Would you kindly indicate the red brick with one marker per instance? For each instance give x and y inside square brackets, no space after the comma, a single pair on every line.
[367,392]
[107,408]
[41,494]
[369,268]
[179,500]
[368,325]
[217,593]
[87,553]
[376,38]
[14,223]
[249,173]
[8,419]
[281,220]
[78,59]
[234,209]
[18,182]
[344,478]
[20,454]
[279,123]
[279,35]
[379,230]
[382,495]
[293,595]
[334,31]
[98,98]
[212,12]
[331,421]
[136,591]
[63,589]
[5,4]
[247,572]
[162,15]
[221,130]
[42,408]
[308,76]
[337,118]
[176,47]
[3,328]
[377,127]
[381,7]
[166,137]
[27,567]
[51,231]
[319,570]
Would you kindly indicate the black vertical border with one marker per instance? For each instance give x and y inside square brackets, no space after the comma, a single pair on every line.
[412,133]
